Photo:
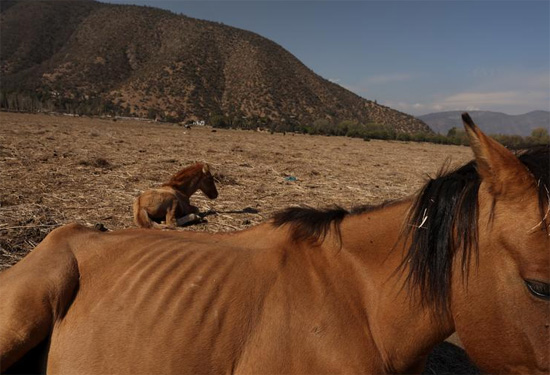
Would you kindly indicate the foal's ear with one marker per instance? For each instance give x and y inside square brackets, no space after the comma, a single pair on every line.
[496,165]
[205,168]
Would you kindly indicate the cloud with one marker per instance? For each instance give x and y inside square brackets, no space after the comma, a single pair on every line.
[512,91]
[508,91]
[366,86]
[495,98]
[387,78]
[508,101]
[504,90]
[407,107]
[334,80]
[503,80]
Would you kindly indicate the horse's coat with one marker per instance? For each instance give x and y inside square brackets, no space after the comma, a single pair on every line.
[170,202]
[310,292]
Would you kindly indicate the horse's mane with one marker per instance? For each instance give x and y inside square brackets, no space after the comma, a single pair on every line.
[310,223]
[313,224]
[442,222]
[184,175]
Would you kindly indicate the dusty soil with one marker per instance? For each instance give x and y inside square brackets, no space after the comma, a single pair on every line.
[60,169]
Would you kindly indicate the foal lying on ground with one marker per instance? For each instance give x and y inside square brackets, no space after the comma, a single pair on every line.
[170,202]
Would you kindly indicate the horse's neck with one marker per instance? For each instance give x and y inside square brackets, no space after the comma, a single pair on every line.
[400,328]
[190,186]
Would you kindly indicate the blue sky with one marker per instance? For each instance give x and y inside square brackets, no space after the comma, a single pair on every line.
[415,56]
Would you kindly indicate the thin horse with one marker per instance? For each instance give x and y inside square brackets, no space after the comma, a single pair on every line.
[171,201]
[312,291]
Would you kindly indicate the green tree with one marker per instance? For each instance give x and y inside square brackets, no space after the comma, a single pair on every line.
[344,126]
[540,135]
[457,136]
[219,121]
[322,126]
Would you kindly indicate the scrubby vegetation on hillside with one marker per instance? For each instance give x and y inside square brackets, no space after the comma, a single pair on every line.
[92,58]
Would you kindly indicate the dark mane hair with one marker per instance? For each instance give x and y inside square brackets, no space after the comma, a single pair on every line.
[443,222]
[185,174]
[313,224]
[309,223]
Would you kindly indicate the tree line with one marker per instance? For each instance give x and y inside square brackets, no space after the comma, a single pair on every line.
[355,129]
[24,101]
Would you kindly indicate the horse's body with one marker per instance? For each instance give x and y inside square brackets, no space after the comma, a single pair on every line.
[170,202]
[249,302]
[310,292]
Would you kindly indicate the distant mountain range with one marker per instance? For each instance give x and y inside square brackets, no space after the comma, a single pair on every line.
[490,122]
[90,57]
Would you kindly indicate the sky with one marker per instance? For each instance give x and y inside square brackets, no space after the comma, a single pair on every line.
[415,56]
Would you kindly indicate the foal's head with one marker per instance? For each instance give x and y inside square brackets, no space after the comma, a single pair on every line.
[193,178]
[207,184]
[482,254]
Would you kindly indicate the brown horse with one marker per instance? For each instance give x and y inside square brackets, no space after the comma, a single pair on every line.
[310,292]
[170,202]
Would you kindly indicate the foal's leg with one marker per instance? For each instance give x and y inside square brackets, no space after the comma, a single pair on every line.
[188,211]
[187,219]
[185,206]
[171,213]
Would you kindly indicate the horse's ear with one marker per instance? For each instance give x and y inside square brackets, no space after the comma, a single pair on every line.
[205,168]
[496,165]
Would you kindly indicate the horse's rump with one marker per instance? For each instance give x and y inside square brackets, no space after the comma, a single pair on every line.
[36,294]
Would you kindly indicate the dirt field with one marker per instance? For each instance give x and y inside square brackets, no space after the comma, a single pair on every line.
[59,169]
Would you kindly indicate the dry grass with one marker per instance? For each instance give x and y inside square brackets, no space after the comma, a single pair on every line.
[58,169]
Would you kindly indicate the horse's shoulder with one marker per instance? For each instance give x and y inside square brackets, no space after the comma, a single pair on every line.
[67,231]
[73,228]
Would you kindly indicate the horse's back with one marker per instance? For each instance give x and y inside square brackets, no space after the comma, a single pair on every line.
[164,297]
[200,303]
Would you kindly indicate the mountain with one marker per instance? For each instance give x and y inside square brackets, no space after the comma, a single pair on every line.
[89,57]
[490,122]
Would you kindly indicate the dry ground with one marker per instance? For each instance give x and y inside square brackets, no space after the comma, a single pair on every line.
[59,169]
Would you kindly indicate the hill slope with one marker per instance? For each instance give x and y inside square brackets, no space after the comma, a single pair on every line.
[492,122]
[85,56]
